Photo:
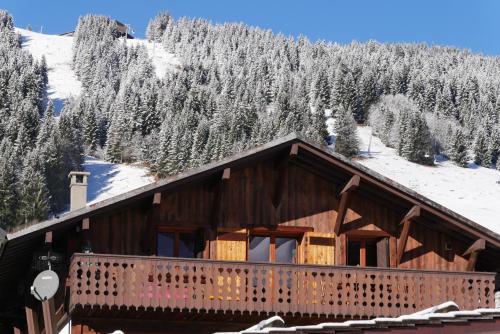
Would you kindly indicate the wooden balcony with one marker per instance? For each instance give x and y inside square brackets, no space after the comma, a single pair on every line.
[132,283]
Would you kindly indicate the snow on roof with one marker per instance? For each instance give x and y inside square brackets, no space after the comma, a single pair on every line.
[438,315]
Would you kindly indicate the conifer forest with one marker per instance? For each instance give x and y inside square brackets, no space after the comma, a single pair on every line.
[237,87]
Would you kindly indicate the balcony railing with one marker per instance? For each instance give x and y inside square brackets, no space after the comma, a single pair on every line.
[132,282]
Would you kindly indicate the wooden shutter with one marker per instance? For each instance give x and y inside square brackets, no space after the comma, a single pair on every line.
[320,248]
[383,252]
[231,245]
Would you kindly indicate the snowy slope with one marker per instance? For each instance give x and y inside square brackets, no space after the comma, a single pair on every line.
[58,54]
[473,192]
[108,180]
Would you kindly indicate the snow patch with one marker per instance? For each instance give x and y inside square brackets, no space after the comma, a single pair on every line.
[63,82]
[108,179]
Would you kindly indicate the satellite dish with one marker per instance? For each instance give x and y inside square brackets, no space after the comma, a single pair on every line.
[45,285]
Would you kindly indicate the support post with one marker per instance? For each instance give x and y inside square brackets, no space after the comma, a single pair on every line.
[413,213]
[32,320]
[87,247]
[344,198]
[49,316]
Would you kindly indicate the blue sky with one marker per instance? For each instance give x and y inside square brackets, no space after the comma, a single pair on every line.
[472,24]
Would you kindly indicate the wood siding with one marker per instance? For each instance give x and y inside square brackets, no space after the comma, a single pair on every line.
[307,199]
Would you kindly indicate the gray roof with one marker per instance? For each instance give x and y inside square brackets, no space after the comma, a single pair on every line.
[439,315]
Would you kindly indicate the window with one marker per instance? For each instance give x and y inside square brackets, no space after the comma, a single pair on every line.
[272,249]
[368,252]
[186,244]
[259,248]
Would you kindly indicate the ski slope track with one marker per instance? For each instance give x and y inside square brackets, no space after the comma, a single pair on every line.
[63,83]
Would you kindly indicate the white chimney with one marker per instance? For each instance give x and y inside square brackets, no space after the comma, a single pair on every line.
[78,190]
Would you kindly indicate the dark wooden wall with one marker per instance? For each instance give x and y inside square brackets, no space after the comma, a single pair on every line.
[245,200]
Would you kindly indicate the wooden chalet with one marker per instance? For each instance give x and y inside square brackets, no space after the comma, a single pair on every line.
[286,229]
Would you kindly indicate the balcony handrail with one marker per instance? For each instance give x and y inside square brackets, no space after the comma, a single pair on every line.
[104,281]
[277,264]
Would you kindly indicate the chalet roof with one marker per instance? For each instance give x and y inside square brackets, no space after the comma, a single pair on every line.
[321,151]
[440,315]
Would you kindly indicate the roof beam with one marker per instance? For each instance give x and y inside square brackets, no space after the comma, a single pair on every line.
[157,198]
[352,184]
[48,237]
[281,172]
[473,252]
[85,224]
[413,213]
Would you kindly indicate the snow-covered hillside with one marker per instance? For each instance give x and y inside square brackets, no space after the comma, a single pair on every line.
[57,50]
[108,180]
[473,192]
[63,82]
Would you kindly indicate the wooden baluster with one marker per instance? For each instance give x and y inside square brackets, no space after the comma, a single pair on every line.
[270,284]
[208,292]
[261,286]
[334,298]
[192,286]
[311,291]
[233,292]
[294,275]
[154,286]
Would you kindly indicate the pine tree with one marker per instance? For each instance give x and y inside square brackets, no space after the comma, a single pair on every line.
[8,194]
[481,150]
[34,204]
[90,130]
[459,149]
[415,142]
[156,27]
[347,142]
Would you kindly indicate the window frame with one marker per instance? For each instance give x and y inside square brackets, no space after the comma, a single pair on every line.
[373,238]
[291,232]
[176,231]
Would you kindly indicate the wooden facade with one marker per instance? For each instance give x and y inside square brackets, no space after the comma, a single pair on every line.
[356,245]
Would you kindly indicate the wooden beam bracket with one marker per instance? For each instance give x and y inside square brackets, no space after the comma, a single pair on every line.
[407,220]
[473,252]
[352,184]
